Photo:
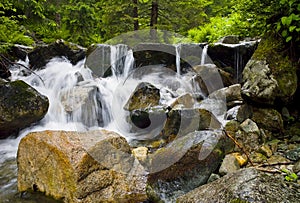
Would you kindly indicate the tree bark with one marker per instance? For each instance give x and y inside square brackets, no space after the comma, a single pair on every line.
[135,15]
[154,19]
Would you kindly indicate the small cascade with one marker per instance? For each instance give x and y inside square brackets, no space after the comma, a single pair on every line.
[178,68]
[238,64]
[118,57]
[204,55]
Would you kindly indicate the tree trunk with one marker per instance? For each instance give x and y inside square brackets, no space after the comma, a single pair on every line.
[154,19]
[135,15]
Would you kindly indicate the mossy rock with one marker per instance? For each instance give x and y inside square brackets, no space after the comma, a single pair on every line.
[20,106]
[273,52]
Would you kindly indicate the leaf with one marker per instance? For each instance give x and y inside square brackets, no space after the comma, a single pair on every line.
[292,28]
[284,33]
[289,38]
[278,27]
[284,20]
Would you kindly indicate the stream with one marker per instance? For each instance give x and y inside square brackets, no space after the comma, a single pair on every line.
[64,84]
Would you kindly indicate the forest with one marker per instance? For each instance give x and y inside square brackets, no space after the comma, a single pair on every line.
[29,22]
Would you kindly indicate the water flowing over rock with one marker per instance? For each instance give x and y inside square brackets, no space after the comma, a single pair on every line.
[20,106]
[270,74]
[82,103]
[247,185]
[232,57]
[41,55]
[80,167]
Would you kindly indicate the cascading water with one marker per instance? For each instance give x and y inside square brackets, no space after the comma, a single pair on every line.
[79,101]
[204,55]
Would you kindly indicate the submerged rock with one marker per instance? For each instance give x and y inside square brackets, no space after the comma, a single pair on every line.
[80,167]
[20,106]
[246,185]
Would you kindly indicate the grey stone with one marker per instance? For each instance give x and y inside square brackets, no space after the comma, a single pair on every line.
[246,185]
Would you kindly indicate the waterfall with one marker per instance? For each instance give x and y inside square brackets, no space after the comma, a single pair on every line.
[178,49]
[204,54]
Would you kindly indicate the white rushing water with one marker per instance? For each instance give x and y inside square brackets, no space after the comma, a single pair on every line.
[79,101]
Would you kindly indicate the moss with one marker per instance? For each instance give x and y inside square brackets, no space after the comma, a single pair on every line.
[273,50]
[237,200]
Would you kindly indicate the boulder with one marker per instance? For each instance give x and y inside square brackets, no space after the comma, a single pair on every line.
[41,55]
[186,100]
[270,74]
[20,106]
[82,103]
[268,119]
[246,185]
[185,164]
[145,95]
[100,165]
[80,167]
[181,121]
[232,95]
[209,78]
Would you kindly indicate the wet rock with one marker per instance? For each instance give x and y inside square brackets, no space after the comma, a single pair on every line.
[41,55]
[144,96]
[235,56]
[20,106]
[19,52]
[229,165]
[181,121]
[82,103]
[240,113]
[186,101]
[80,167]
[268,119]
[185,164]
[246,185]
[209,78]
[147,123]
[231,94]
[270,74]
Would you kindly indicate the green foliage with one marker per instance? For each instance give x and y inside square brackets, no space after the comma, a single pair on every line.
[289,176]
[289,24]
[219,27]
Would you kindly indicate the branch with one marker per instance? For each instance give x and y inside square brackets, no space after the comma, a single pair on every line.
[18,64]
[239,146]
